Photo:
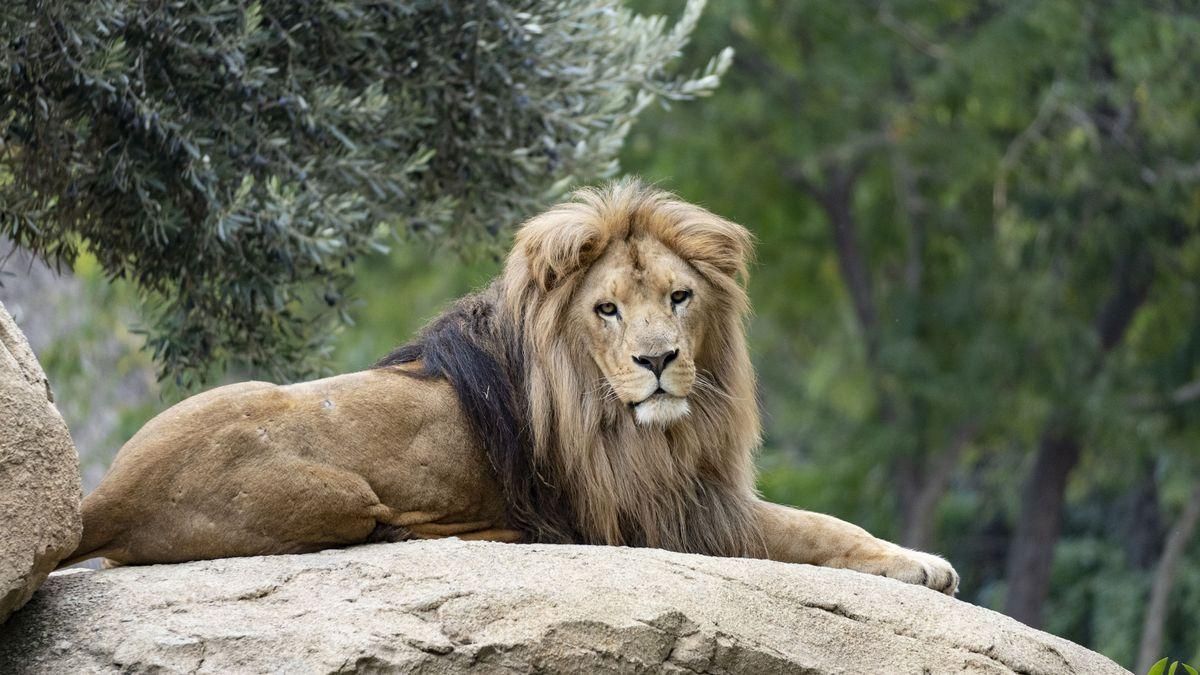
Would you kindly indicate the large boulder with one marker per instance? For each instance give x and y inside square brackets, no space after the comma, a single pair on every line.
[450,606]
[39,474]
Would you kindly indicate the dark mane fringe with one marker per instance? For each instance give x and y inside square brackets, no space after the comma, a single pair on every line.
[484,363]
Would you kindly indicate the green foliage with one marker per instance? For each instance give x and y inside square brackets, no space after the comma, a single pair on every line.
[1160,668]
[403,291]
[102,379]
[233,160]
[1000,165]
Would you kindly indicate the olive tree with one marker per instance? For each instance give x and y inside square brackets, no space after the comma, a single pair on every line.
[232,159]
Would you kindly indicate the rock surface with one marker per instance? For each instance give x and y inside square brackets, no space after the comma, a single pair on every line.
[450,606]
[39,474]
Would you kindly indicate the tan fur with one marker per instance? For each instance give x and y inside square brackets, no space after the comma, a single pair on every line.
[643,457]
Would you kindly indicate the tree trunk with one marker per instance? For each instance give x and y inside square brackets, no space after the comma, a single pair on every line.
[1164,578]
[837,200]
[923,488]
[1141,526]
[921,480]
[1031,553]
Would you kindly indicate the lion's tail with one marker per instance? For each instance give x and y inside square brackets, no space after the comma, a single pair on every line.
[100,529]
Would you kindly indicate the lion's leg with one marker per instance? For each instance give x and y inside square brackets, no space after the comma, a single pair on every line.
[323,506]
[796,536]
[503,536]
[470,532]
[282,505]
[421,525]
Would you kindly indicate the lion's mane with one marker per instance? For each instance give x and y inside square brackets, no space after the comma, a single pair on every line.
[574,466]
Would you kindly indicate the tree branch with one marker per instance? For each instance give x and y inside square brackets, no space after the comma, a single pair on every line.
[1133,275]
[932,484]
[912,211]
[1150,647]
[1181,395]
[911,34]
[836,199]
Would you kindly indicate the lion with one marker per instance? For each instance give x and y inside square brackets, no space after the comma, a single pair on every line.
[598,391]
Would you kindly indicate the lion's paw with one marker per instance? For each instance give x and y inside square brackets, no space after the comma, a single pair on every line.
[923,569]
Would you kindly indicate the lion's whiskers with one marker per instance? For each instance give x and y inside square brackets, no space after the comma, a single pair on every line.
[705,385]
[604,388]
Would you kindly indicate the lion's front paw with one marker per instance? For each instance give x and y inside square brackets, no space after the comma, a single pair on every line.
[919,568]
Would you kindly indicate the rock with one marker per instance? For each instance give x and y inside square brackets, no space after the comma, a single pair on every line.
[450,606]
[39,474]
[56,309]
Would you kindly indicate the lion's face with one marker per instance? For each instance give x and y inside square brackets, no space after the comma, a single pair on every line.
[625,308]
[638,311]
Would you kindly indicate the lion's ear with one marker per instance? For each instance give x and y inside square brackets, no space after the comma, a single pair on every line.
[557,243]
[703,237]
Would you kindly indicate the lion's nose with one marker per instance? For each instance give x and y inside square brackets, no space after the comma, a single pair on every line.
[656,363]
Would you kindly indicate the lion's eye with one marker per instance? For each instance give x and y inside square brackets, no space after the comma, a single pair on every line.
[606,309]
[679,296]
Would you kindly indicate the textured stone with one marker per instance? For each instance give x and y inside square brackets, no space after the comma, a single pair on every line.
[451,606]
[39,474]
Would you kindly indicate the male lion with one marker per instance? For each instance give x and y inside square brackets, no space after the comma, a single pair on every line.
[599,391]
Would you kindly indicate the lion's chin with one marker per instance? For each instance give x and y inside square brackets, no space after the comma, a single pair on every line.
[661,410]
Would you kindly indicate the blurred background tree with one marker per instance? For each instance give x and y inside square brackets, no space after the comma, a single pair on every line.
[233,159]
[978,289]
